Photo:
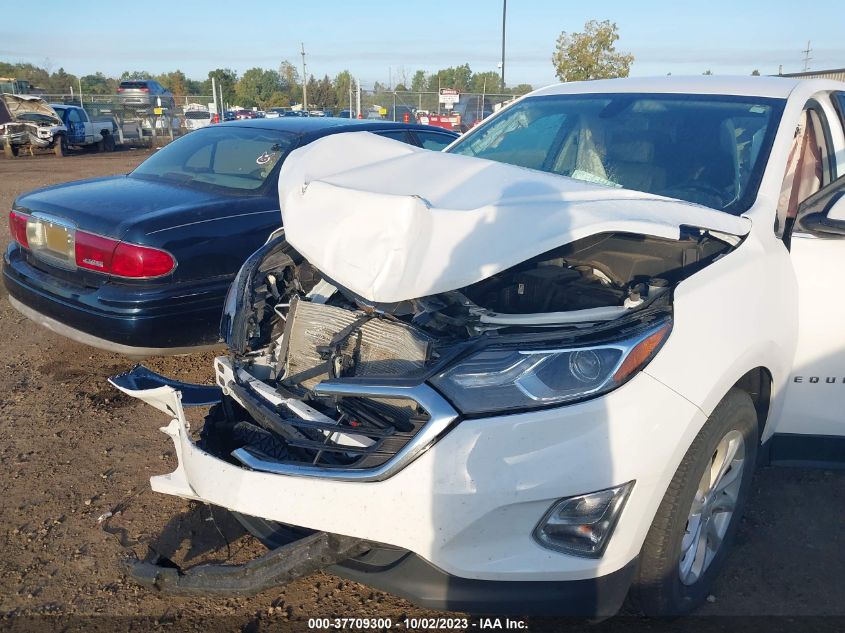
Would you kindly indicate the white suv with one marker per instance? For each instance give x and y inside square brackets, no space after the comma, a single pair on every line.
[537,370]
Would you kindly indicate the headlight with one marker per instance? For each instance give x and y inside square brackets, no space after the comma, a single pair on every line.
[502,378]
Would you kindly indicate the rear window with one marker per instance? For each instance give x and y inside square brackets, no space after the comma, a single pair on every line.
[133,84]
[222,158]
[197,114]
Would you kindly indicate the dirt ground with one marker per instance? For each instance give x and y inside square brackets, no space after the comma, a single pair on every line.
[72,449]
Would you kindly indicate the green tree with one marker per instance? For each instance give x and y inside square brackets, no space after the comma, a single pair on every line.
[291,83]
[520,89]
[225,77]
[98,84]
[322,94]
[755,73]
[128,75]
[60,82]
[342,83]
[277,100]
[489,81]
[257,86]
[457,77]
[419,83]
[175,81]
[591,54]
[707,72]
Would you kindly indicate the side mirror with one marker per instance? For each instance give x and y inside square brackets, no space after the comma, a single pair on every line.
[836,212]
[823,213]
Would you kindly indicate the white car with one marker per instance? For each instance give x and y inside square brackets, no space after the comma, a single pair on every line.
[196,116]
[533,373]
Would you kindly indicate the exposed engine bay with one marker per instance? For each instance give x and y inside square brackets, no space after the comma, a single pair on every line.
[27,120]
[296,338]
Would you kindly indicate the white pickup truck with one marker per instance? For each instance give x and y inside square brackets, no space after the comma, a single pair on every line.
[83,131]
[533,373]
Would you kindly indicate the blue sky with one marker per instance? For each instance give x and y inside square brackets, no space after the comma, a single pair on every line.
[372,38]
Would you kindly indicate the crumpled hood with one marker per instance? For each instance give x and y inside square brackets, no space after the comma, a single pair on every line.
[29,104]
[392,222]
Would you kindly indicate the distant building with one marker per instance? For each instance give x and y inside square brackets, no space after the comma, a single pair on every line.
[836,73]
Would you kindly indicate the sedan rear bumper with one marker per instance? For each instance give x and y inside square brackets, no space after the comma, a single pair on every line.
[128,319]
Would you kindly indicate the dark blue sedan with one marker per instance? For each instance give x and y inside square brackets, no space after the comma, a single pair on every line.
[140,264]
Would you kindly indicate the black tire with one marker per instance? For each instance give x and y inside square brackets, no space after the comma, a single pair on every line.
[658,589]
[60,146]
[108,142]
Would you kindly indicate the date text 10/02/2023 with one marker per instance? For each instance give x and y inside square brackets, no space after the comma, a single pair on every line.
[418,624]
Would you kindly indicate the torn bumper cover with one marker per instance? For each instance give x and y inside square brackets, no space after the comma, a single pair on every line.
[279,566]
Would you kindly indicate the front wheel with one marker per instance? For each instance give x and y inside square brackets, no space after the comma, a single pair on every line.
[108,142]
[60,146]
[695,524]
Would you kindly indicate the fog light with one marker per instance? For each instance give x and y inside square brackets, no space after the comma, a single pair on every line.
[582,525]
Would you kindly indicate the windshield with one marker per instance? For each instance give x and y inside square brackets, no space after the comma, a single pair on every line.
[707,149]
[234,159]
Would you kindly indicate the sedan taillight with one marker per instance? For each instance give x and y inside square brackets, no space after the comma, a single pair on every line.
[141,262]
[103,254]
[17,227]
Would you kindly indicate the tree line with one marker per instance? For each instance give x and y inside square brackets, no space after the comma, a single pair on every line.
[261,87]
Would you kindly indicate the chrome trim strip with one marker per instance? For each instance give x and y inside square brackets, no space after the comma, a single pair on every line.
[441,416]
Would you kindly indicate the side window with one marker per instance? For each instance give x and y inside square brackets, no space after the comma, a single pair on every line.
[73,117]
[808,168]
[839,103]
[396,135]
[433,140]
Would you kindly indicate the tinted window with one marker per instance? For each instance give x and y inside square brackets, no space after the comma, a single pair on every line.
[433,140]
[228,158]
[135,85]
[396,135]
[705,149]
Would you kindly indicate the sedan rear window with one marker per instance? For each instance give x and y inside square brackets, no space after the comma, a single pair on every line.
[133,84]
[234,159]
[707,149]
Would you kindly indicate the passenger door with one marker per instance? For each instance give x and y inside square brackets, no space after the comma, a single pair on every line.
[815,394]
[75,128]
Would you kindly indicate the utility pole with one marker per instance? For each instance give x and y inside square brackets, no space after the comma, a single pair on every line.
[358,98]
[807,57]
[504,15]
[216,107]
[304,81]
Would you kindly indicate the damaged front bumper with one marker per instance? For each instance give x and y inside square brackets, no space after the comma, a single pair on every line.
[454,522]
